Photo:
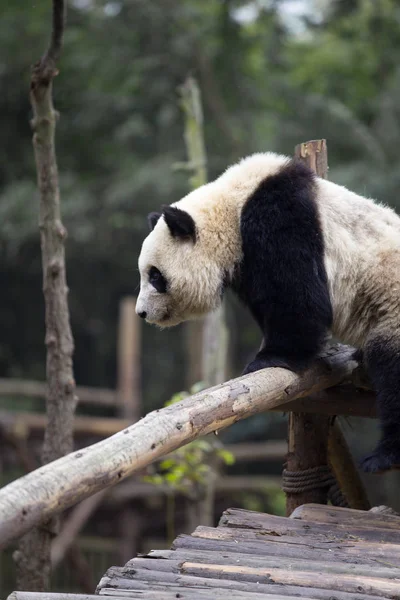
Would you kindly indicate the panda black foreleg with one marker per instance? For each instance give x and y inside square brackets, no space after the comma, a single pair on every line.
[382,361]
[291,341]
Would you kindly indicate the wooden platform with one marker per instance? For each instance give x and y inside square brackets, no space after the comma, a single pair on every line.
[319,552]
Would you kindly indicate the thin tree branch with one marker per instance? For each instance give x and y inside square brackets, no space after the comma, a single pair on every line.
[57,34]
[33,556]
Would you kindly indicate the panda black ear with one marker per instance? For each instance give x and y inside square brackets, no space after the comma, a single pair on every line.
[152,219]
[180,223]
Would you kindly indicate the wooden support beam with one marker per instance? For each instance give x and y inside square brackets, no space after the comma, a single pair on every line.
[128,361]
[129,407]
[345,471]
[308,433]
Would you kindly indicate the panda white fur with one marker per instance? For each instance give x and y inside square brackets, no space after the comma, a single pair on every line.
[308,258]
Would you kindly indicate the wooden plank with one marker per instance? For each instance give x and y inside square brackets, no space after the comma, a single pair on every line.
[188,594]
[273,525]
[346,516]
[325,581]
[144,580]
[17,595]
[180,557]
[272,553]
[255,542]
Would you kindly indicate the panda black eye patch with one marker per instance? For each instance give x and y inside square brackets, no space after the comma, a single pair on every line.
[157,280]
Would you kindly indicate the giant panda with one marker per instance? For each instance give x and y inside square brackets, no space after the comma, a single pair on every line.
[309,258]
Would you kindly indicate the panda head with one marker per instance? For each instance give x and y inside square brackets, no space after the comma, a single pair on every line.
[180,277]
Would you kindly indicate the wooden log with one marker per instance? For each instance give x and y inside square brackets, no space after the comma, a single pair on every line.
[61,484]
[274,525]
[346,473]
[129,407]
[228,555]
[260,544]
[128,361]
[174,592]
[368,540]
[177,558]
[142,580]
[346,516]
[308,579]
[308,433]
[50,596]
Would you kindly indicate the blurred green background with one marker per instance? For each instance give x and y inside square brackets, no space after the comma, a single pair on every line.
[272,73]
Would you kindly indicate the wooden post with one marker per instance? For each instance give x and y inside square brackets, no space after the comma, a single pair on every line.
[317,440]
[308,434]
[129,400]
[208,338]
[128,361]
[344,469]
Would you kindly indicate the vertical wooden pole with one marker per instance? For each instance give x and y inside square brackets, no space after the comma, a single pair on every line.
[128,357]
[345,471]
[308,434]
[315,440]
[208,338]
[129,400]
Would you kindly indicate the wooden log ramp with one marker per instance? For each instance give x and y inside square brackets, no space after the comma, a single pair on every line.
[319,553]
[49,490]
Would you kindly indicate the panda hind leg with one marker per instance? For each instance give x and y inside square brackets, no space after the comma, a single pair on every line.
[382,362]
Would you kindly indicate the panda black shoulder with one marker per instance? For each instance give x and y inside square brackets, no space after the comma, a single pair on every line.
[282,274]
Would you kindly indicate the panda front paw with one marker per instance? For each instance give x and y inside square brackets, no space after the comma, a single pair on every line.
[381,460]
[262,362]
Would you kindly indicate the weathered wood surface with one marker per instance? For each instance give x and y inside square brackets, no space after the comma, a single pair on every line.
[346,473]
[347,516]
[320,553]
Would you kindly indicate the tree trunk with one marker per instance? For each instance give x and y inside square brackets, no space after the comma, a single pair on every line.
[33,555]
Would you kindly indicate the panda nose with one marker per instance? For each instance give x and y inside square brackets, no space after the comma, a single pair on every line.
[142,314]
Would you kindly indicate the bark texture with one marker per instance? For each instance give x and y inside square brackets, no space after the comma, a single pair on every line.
[33,556]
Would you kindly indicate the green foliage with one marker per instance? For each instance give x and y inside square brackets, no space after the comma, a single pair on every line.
[189,467]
